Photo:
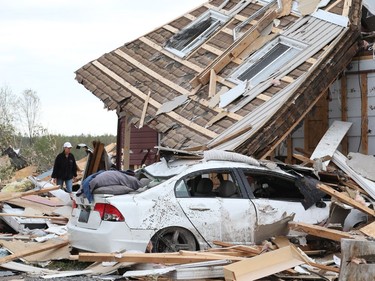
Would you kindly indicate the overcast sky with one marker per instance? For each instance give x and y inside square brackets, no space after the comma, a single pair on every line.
[43,42]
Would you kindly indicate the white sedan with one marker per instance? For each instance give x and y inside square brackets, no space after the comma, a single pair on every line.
[188,204]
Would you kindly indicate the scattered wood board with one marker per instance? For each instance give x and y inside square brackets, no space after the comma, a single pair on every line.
[26,250]
[319,231]
[264,265]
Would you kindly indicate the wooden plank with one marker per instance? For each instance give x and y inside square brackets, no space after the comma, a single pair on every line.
[331,140]
[346,10]
[154,103]
[170,28]
[33,216]
[247,249]
[212,86]
[212,49]
[369,230]
[345,199]
[344,112]
[319,231]
[144,110]
[146,257]
[98,152]
[264,265]
[364,114]
[43,247]
[5,196]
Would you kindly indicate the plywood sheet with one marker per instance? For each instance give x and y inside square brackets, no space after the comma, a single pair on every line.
[264,264]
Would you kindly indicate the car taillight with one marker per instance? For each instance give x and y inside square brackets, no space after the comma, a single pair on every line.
[74,204]
[108,212]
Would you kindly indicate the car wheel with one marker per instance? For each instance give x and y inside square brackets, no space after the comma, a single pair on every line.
[173,239]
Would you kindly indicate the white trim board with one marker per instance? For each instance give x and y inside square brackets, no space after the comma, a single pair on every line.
[331,140]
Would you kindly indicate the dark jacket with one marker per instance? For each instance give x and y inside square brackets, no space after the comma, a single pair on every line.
[65,168]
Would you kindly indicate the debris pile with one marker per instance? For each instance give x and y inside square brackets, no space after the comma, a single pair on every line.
[34,234]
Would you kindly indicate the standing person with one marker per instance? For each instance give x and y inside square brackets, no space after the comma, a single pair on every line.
[65,168]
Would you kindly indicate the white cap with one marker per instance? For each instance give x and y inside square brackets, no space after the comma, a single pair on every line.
[67,144]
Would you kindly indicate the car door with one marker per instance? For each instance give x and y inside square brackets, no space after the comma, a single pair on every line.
[218,215]
[277,200]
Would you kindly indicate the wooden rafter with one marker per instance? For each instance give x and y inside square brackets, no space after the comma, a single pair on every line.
[153,102]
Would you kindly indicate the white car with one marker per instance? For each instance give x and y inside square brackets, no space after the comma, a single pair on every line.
[188,204]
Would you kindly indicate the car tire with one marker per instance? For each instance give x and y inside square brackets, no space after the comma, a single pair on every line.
[173,239]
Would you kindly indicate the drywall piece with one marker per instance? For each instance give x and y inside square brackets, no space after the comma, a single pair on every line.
[340,160]
[198,273]
[279,228]
[331,140]
[307,7]
[171,105]
[331,17]
[232,94]
[264,264]
[362,164]
[357,262]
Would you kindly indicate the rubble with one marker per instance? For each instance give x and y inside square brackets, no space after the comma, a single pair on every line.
[320,255]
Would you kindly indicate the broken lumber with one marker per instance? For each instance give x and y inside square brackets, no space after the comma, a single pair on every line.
[345,199]
[247,249]
[265,264]
[319,231]
[165,258]
[5,196]
[32,216]
[54,244]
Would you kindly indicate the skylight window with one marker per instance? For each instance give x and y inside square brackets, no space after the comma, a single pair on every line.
[195,33]
[268,61]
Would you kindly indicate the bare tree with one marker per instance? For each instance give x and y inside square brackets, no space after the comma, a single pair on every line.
[7,116]
[29,105]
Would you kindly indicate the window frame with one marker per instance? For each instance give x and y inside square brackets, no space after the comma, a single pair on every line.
[257,57]
[221,18]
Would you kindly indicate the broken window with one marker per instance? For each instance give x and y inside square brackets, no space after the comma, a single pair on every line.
[195,34]
[218,183]
[267,61]
[272,186]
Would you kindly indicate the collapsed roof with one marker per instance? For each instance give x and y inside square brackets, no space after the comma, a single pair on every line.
[232,75]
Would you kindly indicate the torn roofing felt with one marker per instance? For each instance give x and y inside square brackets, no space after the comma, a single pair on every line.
[248,71]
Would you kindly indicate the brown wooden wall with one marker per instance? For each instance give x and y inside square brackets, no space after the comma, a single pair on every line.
[142,143]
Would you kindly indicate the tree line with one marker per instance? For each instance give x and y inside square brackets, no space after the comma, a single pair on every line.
[20,129]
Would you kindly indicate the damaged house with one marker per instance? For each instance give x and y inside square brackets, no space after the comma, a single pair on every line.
[236,75]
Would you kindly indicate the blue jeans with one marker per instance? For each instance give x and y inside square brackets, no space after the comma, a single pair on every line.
[68,184]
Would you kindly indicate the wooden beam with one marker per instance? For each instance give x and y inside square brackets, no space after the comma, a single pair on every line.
[345,199]
[344,112]
[212,87]
[126,149]
[319,231]
[364,114]
[172,85]
[347,6]
[152,73]
[154,103]
[147,257]
[144,110]
[5,196]
[33,216]
[253,251]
